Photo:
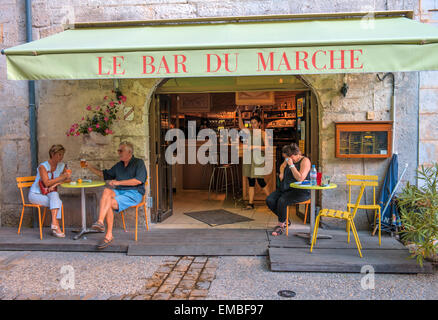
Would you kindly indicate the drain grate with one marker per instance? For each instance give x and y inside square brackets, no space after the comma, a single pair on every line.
[286,293]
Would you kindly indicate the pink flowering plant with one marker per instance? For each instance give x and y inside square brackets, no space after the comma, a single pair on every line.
[99,118]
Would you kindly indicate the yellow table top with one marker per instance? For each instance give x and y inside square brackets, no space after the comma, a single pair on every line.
[84,184]
[298,185]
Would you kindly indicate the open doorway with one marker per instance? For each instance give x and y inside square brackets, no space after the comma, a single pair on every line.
[180,189]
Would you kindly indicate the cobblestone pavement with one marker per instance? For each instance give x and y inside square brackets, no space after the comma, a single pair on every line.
[114,276]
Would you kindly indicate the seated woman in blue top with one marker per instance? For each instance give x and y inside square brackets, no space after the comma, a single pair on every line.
[128,178]
[52,173]
[295,167]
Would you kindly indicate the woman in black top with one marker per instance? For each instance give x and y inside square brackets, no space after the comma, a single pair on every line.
[295,167]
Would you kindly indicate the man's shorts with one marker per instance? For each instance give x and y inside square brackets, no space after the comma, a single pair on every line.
[127,198]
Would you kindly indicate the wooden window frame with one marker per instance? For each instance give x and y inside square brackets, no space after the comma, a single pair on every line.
[361,126]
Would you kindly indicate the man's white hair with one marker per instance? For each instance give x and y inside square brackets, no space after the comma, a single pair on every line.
[128,145]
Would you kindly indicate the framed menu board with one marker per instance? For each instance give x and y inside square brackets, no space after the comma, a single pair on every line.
[255,98]
[367,139]
[193,102]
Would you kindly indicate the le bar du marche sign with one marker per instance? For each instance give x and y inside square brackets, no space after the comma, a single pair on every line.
[221,62]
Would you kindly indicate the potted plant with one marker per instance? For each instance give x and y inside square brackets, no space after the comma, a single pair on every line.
[419,214]
[96,124]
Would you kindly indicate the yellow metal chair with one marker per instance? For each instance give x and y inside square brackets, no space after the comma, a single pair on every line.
[370,181]
[344,215]
[141,204]
[26,182]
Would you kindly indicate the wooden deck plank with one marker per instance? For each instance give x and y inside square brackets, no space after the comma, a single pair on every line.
[339,241]
[344,260]
[285,253]
[200,249]
[29,240]
[256,240]
[81,247]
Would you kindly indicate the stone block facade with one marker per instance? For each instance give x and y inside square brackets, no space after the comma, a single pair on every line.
[61,103]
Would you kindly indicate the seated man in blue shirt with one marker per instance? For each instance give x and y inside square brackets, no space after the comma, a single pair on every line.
[128,178]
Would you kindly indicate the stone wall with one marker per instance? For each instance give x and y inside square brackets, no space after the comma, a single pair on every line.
[64,101]
[428,106]
[428,152]
[14,121]
[365,93]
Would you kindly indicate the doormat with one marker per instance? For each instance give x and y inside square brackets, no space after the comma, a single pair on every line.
[217,217]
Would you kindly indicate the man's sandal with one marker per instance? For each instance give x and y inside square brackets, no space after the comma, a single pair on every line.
[98,227]
[104,243]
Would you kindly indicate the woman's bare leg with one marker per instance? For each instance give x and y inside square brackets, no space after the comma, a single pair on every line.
[250,198]
[251,191]
[54,219]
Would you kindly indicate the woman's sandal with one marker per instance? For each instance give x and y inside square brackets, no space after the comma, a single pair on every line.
[104,243]
[249,206]
[278,230]
[98,227]
[56,231]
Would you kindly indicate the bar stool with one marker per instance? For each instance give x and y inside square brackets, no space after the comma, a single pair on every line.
[205,168]
[221,172]
[307,202]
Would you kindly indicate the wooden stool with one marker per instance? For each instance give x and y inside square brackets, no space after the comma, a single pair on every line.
[307,202]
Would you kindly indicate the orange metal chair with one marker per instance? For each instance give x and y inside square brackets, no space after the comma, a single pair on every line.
[26,182]
[307,203]
[142,203]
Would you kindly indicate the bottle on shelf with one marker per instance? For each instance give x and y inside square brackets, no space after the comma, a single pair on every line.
[313,175]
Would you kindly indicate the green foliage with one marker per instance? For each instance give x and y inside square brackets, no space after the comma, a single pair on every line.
[419,213]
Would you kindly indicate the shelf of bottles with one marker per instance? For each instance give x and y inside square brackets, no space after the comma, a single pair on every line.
[281,115]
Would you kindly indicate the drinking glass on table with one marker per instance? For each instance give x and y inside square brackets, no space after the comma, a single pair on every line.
[325,180]
[83,166]
[318,178]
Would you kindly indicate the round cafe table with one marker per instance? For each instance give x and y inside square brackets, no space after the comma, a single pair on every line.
[312,189]
[82,186]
